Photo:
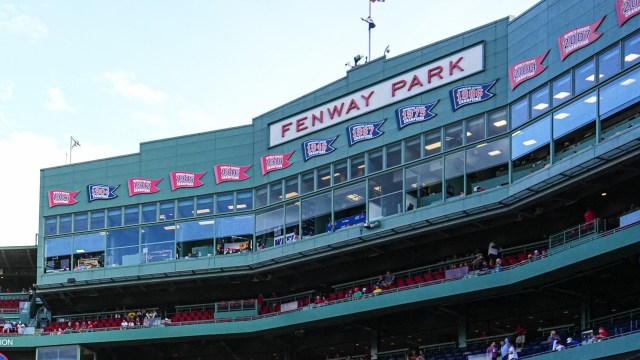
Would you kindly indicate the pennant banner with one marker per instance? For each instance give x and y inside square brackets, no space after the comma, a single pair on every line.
[317,147]
[272,162]
[143,186]
[62,197]
[412,114]
[626,9]
[183,179]
[470,94]
[526,69]
[227,172]
[576,39]
[364,131]
[101,192]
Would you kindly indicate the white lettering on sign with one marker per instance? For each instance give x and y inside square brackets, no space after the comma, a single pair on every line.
[6,342]
[427,77]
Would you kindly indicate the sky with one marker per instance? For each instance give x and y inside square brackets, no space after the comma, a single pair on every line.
[116,73]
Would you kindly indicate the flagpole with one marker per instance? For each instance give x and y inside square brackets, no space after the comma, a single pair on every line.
[70,148]
[369,58]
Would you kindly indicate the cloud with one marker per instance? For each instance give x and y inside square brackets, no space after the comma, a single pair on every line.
[14,22]
[197,120]
[127,85]
[6,91]
[147,119]
[56,101]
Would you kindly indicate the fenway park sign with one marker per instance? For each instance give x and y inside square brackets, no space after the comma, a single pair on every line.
[446,70]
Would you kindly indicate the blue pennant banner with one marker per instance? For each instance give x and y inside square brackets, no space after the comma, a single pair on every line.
[364,131]
[412,114]
[317,147]
[470,94]
[101,192]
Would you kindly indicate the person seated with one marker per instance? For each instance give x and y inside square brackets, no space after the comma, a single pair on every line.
[498,266]
[377,290]
[380,281]
[124,324]
[357,293]
[602,334]
[485,266]
[477,259]
[571,343]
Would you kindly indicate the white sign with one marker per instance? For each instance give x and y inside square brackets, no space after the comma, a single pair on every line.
[427,77]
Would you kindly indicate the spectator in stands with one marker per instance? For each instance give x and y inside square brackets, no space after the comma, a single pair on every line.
[589,215]
[504,349]
[413,355]
[498,266]
[377,290]
[492,351]
[7,328]
[520,338]
[388,279]
[602,334]
[492,253]
[572,343]
[380,281]
[364,292]
[90,326]
[477,260]
[558,346]
[357,293]
[485,266]
[512,353]
[124,324]
[552,340]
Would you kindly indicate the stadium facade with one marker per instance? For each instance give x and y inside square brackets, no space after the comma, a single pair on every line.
[506,133]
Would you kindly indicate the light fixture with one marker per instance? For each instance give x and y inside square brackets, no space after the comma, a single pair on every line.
[561,95]
[469,133]
[481,145]
[206,222]
[592,77]
[561,115]
[170,227]
[631,57]
[241,206]
[628,82]
[290,194]
[500,123]
[604,194]
[494,153]
[325,178]
[203,211]
[434,145]
[336,174]
[361,166]
[529,142]
[80,251]
[516,133]
[591,99]
[354,197]
[541,106]
[230,207]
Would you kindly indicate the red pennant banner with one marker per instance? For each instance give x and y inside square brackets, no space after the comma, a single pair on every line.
[143,186]
[576,39]
[626,9]
[62,197]
[184,179]
[272,162]
[225,172]
[526,69]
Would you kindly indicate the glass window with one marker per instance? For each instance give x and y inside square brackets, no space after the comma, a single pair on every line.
[122,247]
[349,205]
[261,196]
[80,222]
[615,98]
[454,175]
[149,212]
[519,112]
[316,215]
[50,225]
[88,251]
[65,224]
[474,129]
[58,254]
[158,243]
[575,115]
[497,122]
[204,205]
[97,219]
[574,126]
[269,228]
[275,192]
[114,216]
[185,208]
[291,187]
[132,215]
[530,148]
[433,142]
[291,222]
[412,149]
[195,238]
[324,177]
[632,51]
[561,88]
[167,210]
[540,102]
[609,63]
[424,184]
[357,166]
[244,200]
[340,172]
[375,161]
[585,76]
[394,154]
[487,166]
[453,136]
[234,234]
[307,185]
[385,195]
[224,203]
